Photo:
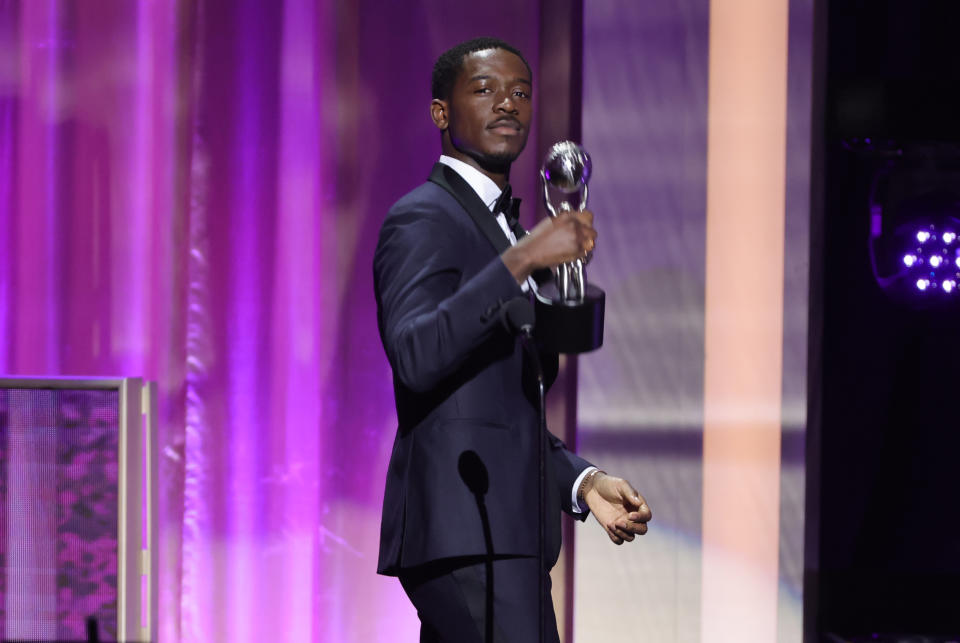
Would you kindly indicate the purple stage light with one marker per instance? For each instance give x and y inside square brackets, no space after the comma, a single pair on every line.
[921,257]
[930,267]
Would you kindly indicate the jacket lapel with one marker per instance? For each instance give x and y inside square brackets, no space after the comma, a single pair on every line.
[447,178]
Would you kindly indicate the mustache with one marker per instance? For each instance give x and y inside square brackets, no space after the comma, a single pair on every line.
[506,120]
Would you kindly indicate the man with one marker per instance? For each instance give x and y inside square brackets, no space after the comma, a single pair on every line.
[460,508]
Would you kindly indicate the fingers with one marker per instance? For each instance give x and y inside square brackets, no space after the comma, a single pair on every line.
[620,509]
[584,216]
[561,239]
[633,528]
[629,495]
[634,523]
[585,219]
[643,513]
[584,234]
[625,531]
[616,535]
[631,498]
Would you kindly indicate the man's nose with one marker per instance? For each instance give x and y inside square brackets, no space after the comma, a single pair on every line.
[506,103]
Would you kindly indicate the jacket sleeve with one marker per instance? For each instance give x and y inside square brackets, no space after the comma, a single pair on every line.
[430,318]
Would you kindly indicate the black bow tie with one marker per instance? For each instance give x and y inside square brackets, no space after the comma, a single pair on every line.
[509,206]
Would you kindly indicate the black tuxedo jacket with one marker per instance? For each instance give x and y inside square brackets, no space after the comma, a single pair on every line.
[462,479]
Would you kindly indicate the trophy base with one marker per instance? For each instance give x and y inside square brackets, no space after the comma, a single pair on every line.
[570,326]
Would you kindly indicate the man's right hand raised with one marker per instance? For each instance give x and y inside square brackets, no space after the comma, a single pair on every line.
[555,240]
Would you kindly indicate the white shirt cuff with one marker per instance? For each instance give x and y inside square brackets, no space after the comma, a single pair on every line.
[574,503]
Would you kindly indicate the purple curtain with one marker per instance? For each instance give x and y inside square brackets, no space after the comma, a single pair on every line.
[190,192]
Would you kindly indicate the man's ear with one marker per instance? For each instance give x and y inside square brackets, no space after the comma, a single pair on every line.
[439,113]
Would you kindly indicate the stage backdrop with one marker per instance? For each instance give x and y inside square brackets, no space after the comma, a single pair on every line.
[190,191]
[724,557]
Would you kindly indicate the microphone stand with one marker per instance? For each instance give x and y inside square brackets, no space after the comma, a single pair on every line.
[518,317]
[526,337]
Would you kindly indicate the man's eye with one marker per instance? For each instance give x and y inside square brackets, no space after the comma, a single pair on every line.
[521,94]
[482,90]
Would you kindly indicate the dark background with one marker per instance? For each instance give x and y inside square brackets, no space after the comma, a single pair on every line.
[883,530]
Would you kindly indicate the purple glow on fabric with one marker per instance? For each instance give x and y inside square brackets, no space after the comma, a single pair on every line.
[128,313]
[191,192]
[34,240]
[197,572]
[10,51]
[245,331]
[295,312]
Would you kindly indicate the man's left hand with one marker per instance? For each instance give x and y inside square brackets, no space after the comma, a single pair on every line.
[620,510]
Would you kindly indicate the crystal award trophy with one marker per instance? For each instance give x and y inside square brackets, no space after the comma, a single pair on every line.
[569,310]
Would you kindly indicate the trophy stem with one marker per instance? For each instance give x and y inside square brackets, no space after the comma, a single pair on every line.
[571,281]
[563,281]
[579,279]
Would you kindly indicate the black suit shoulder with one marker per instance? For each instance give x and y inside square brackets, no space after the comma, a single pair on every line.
[435,278]
[433,210]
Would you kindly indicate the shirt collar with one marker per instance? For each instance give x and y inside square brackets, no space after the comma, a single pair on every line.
[482,184]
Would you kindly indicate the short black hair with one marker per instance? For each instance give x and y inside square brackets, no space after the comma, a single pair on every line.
[450,63]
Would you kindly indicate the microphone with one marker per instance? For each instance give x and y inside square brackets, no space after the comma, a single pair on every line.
[518,317]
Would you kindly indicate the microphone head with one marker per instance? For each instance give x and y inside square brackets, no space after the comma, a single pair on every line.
[518,316]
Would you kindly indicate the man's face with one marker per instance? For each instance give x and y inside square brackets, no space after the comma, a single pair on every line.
[488,113]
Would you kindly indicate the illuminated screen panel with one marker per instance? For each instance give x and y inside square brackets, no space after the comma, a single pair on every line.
[58,512]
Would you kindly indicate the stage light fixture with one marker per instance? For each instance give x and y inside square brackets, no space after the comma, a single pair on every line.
[928,266]
[913,201]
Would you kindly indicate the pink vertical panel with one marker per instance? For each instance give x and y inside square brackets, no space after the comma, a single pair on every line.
[746,161]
